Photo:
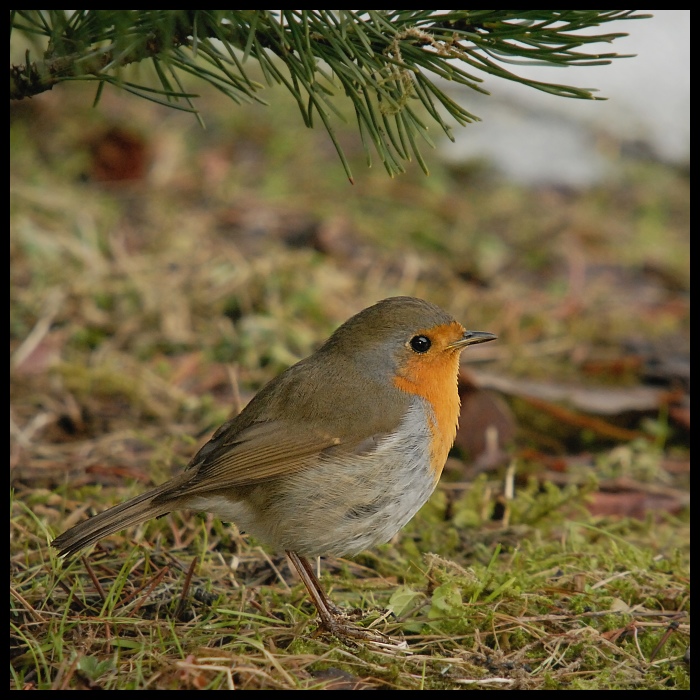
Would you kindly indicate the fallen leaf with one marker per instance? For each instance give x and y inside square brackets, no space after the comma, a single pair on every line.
[633,504]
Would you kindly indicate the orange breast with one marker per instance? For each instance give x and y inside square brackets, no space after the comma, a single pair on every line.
[433,377]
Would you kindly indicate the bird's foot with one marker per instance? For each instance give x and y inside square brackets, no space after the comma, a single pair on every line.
[338,623]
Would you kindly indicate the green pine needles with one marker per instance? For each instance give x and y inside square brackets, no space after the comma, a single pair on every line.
[390,64]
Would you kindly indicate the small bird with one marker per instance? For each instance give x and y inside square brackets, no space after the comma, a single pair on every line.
[334,455]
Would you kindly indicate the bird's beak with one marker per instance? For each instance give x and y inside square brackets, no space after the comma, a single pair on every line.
[472,338]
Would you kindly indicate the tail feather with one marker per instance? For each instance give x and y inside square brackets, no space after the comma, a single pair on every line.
[133,512]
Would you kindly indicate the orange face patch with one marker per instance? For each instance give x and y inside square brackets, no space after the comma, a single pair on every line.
[433,376]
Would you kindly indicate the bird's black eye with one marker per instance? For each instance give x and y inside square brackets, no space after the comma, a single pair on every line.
[420,343]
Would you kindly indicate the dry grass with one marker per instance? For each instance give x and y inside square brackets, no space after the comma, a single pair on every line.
[143,313]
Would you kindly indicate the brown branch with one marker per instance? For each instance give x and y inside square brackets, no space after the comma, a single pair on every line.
[34,77]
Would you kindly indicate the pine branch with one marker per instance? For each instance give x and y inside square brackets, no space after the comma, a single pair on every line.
[384,61]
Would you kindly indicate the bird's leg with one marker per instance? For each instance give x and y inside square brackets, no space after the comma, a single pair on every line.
[329,613]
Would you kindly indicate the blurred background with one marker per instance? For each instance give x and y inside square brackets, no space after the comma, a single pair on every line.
[535,138]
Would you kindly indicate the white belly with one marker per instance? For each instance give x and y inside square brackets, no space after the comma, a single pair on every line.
[345,504]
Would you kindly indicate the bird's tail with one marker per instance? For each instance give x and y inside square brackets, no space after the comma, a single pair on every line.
[133,512]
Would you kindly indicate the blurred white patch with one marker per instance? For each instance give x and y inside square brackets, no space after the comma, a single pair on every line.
[535,138]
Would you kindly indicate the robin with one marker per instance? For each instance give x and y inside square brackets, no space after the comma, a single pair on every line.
[333,456]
